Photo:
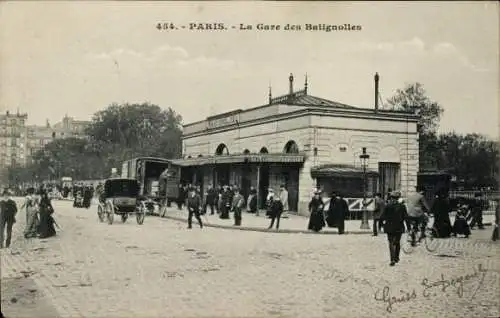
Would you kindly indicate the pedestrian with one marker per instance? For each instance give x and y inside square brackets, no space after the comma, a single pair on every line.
[460,226]
[316,218]
[211,199]
[226,200]
[275,211]
[494,235]
[270,195]
[340,210]
[441,210]
[194,206]
[8,211]
[284,200]
[180,197]
[31,206]
[377,212]
[394,216]
[237,205]
[46,227]
[477,212]
[252,201]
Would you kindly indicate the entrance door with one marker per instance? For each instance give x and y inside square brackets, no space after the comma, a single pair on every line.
[245,181]
[222,174]
[264,185]
[389,176]
[291,179]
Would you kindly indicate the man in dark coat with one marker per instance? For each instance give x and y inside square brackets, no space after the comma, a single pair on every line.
[226,200]
[8,211]
[394,216]
[211,199]
[276,209]
[340,210]
[477,212]
[494,235]
[237,205]
[194,207]
[379,209]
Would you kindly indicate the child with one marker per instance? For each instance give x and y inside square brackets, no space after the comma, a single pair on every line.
[461,226]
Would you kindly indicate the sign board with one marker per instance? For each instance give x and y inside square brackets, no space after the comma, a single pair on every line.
[224,121]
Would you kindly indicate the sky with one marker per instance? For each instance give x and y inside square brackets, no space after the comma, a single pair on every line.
[76,58]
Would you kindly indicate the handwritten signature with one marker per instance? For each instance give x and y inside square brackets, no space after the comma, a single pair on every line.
[384,294]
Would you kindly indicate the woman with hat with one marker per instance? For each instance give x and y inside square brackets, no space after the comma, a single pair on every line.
[47,222]
[316,218]
[30,204]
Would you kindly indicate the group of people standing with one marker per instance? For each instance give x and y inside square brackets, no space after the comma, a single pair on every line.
[226,199]
[39,215]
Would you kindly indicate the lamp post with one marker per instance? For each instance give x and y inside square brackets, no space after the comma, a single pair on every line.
[364,157]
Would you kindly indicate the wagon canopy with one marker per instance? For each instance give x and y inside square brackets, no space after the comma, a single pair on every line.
[121,188]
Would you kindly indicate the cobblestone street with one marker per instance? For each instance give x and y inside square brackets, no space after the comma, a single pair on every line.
[162,269]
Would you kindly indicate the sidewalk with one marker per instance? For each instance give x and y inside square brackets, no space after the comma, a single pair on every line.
[292,224]
[251,222]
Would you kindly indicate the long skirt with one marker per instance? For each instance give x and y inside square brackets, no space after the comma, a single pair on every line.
[460,226]
[32,223]
[316,221]
[46,228]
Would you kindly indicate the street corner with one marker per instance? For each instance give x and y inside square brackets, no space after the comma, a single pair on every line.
[22,298]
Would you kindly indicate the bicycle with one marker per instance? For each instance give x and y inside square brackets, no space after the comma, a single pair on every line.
[410,241]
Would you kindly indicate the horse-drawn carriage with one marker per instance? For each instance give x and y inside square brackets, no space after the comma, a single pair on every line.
[120,196]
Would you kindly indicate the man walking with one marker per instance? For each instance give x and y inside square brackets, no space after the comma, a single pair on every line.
[394,216]
[8,211]
[210,201]
[477,212]
[194,206]
[379,209]
[237,205]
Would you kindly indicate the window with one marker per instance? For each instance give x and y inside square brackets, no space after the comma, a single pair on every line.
[389,176]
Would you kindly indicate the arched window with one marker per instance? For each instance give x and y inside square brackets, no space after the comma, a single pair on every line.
[221,150]
[246,152]
[291,147]
[263,150]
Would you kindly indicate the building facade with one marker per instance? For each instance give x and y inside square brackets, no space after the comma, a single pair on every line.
[12,141]
[302,141]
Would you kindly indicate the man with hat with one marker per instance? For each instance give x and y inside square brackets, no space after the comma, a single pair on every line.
[8,211]
[237,204]
[394,216]
[194,206]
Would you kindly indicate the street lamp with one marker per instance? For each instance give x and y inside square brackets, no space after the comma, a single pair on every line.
[364,158]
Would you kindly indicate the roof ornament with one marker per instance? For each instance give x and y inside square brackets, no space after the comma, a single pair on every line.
[305,86]
[270,94]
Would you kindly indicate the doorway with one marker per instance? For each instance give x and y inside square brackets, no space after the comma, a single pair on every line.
[263,185]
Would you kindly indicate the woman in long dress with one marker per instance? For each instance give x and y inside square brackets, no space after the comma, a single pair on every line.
[316,218]
[441,210]
[31,206]
[46,228]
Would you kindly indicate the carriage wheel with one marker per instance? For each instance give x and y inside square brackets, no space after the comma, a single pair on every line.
[407,246]
[110,215]
[140,215]
[124,217]
[100,213]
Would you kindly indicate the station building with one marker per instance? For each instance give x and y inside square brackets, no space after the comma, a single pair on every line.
[303,141]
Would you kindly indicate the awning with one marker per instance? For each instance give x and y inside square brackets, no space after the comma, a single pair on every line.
[250,158]
[341,171]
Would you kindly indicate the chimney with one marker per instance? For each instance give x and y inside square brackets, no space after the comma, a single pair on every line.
[376,91]
[291,83]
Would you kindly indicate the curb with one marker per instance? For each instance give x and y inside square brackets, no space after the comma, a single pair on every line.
[265,230]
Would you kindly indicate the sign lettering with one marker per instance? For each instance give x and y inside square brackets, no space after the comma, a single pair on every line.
[224,121]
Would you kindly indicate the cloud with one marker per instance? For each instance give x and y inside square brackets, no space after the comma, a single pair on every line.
[175,55]
[417,47]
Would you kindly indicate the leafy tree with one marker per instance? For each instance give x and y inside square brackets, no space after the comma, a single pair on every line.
[130,130]
[412,98]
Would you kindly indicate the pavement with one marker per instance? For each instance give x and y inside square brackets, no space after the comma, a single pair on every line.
[292,224]
[163,269]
